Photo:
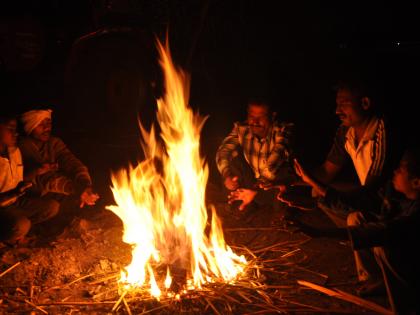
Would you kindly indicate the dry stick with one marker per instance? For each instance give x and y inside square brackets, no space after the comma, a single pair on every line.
[78,279]
[279,286]
[127,307]
[19,290]
[119,301]
[289,243]
[154,309]
[212,306]
[104,279]
[103,293]
[347,297]
[9,269]
[31,291]
[77,303]
[36,306]
[254,229]
[290,253]
[311,271]
[244,296]
[304,305]
[70,283]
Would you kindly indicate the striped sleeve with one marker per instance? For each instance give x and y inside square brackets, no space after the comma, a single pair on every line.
[379,151]
[225,151]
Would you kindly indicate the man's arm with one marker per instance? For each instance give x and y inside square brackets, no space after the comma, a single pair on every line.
[225,151]
[336,159]
[71,165]
[326,172]
[10,196]
[362,198]
[385,233]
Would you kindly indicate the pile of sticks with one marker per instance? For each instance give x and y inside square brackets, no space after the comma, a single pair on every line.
[252,293]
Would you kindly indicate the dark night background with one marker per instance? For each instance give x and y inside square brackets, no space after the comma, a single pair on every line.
[289,53]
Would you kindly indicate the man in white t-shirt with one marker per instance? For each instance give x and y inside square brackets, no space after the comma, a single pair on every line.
[363,140]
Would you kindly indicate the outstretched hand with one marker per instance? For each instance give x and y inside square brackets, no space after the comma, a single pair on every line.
[231,183]
[301,172]
[88,197]
[243,194]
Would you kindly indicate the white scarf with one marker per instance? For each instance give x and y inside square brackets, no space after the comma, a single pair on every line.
[33,118]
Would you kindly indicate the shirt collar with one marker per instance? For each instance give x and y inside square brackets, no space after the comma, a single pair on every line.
[369,132]
[249,135]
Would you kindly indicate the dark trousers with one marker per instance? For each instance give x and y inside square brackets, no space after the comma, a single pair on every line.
[401,278]
[366,266]
[16,220]
[246,179]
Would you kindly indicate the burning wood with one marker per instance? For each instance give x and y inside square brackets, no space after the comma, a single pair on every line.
[164,211]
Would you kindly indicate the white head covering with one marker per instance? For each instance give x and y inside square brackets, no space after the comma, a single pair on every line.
[33,118]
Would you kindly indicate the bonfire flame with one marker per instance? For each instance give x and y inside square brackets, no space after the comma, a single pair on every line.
[162,200]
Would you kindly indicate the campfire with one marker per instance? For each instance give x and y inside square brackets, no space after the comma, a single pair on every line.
[174,258]
[161,202]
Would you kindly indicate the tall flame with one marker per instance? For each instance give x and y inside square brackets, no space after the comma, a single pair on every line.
[162,200]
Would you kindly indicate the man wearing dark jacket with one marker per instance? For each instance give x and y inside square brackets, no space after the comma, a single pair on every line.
[51,166]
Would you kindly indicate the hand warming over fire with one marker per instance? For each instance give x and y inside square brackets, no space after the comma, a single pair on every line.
[231,183]
[88,197]
[246,195]
[319,189]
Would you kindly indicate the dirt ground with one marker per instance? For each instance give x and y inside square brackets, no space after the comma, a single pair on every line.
[73,265]
[80,263]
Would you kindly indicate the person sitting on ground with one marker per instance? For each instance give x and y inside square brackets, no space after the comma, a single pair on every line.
[18,212]
[51,166]
[255,154]
[392,235]
[367,142]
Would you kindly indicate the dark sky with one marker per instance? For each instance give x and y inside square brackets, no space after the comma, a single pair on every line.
[288,52]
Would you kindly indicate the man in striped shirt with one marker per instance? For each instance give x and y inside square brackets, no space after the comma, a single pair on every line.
[254,155]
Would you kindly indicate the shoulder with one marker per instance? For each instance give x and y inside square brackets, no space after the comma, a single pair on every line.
[15,154]
[54,141]
[240,126]
[281,127]
[283,124]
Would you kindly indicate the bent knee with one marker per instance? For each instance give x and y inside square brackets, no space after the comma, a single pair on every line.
[20,228]
[52,207]
[355,218]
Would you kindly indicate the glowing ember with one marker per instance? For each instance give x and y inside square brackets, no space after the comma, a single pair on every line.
[161,201]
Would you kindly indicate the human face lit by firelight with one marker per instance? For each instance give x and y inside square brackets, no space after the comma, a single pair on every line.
[402,181]
[42,132]
[8,134]
[258,119]
[350,109]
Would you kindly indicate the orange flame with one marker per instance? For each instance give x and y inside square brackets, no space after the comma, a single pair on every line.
[162,200]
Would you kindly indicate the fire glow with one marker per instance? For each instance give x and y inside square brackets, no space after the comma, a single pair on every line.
[162,201]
